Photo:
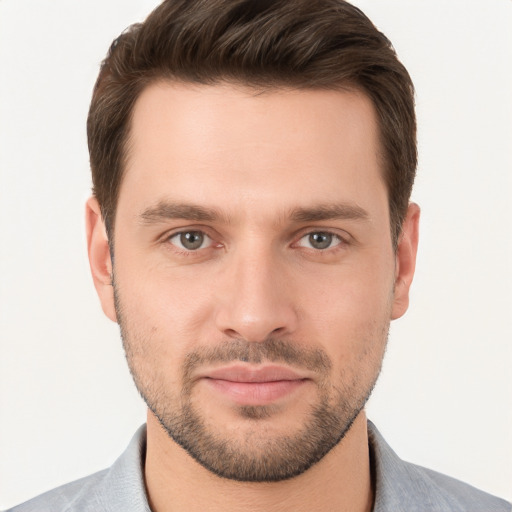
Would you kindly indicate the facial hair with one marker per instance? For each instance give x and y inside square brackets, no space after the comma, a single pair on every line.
[261,456]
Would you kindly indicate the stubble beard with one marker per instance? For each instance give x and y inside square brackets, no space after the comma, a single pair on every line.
[258,457]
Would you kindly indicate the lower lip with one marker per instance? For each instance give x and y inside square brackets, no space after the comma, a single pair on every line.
[255,393]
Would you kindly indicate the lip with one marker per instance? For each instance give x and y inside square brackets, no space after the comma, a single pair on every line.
[243,373]
[254,385]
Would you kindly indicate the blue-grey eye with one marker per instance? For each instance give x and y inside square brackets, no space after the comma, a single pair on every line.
[319,240]
[191,240]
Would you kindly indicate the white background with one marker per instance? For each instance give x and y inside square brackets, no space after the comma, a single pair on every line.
[67,403]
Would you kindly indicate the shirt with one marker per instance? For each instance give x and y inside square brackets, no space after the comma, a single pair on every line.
[399,486]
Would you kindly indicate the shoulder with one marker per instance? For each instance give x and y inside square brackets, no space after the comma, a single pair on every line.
[68,497]
[402,486]
[116,489]
[443,493]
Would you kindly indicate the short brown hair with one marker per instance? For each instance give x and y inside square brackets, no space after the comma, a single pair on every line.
[322,44]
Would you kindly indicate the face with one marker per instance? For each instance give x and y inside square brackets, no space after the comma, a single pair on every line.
[254,273]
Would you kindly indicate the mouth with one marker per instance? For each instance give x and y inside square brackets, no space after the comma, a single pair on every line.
[247,385]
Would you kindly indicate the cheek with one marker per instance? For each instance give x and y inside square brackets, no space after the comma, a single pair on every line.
[166,308]
[350,314]
[350,295]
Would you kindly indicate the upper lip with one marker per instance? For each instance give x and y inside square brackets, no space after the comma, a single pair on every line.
[243,373]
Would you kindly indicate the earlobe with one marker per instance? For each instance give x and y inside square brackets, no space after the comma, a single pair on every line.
[99,257]
[406,261]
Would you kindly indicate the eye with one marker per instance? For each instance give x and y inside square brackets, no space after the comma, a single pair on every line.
[191,240]
[319,240]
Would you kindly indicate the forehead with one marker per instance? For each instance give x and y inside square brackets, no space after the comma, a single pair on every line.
[241,146]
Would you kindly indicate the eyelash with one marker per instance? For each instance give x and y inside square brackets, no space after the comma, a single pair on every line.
[182,251]
[335,237]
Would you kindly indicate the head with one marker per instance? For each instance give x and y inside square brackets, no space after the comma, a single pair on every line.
[300,44]
[252,166]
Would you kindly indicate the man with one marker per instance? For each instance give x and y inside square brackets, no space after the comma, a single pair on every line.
[251,233]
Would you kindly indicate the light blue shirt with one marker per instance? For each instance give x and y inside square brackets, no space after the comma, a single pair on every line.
[399,486]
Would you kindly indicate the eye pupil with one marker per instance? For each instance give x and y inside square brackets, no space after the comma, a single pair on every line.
[320,240]
[192,239]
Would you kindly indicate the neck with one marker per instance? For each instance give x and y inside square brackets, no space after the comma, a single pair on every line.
[340,481]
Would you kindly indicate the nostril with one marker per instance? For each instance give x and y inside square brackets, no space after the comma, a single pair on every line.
[231,333]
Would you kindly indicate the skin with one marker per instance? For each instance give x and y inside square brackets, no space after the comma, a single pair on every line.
[266,164]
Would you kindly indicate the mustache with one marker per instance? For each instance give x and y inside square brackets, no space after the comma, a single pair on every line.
[272,349]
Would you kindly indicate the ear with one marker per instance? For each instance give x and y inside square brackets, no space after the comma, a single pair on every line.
[99,257]
[406,260]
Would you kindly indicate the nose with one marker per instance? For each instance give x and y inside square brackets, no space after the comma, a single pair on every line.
[255,297]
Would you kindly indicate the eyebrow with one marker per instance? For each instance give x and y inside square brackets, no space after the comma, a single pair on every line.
[329,212]
[165,210]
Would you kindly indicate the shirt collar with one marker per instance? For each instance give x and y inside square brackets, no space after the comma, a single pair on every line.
[399,486]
